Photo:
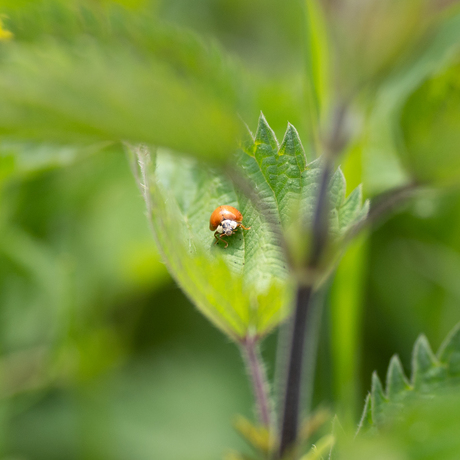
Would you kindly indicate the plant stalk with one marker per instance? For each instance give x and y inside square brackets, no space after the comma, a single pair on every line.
[292,398]
[256,371]
[293,386]
[289,428]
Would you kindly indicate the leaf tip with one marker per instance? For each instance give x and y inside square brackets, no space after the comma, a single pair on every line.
[449,351]
[366,421]
[425,367]
[378,398]
[396,381]
[264,134]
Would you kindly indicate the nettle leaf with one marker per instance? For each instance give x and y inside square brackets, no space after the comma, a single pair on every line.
[85,74]
[244,289]
[430,374]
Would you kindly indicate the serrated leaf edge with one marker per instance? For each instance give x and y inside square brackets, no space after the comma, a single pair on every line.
[379,395]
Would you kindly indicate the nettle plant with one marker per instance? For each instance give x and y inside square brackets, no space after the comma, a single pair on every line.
[96,74]
[300,219]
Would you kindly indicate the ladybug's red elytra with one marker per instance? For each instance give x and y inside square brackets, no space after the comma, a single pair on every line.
[225,220]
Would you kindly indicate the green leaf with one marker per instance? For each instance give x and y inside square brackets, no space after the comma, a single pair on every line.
[430,126]
[109,74]
[310,185]
[427,372]
[428,431]
[396,382]
[430,375]
[378,399]
[449,353]
[337,189]
[257,436]
[244,289]
[366,421]
[19,159]
[318,63]
[349,211]
[290,166]
[322,448]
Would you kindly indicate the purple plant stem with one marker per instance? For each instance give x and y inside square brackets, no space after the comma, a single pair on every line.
[256,371]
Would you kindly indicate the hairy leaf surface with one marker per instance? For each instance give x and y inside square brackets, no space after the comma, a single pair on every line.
[244,289]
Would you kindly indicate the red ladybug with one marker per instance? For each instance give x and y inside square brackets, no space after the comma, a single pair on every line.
[225,220]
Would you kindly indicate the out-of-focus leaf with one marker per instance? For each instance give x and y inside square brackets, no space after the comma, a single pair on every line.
[430,375]
[19,159]
[258,436]
[428,431]
[378,398]
[390,161]
[5,35]
[396,382]
[117,76]
[243,289]
[430,123]
[449,353]
[427,372]
[373,37]
[321,449]
[318,62]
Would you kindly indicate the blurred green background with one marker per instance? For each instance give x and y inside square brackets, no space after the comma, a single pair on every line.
[102,356]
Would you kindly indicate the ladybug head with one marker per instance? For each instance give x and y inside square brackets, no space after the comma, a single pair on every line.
[227,226]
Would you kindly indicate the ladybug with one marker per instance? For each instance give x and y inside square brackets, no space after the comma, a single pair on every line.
[225,220]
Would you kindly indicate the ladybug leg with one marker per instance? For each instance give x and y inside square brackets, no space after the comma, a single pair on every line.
[218,237]
[242,226]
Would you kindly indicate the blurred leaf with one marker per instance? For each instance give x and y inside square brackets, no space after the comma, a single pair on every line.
[5,35]
[321,449]
[366,421]
[372,37]
[245,288]
[390,160]
[318,63]
[397,383]
[22,159]
[429,431]
[347,302]
[430,124]
[258,436]
[427,372]
[430,375]
[378,399]
[118,75]
[449,353]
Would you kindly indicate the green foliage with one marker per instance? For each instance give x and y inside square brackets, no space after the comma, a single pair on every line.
[244,289]
[25,159]
[428,431]
[431,374]
[78,291]
[429,122]
[113,74]
[402,144]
